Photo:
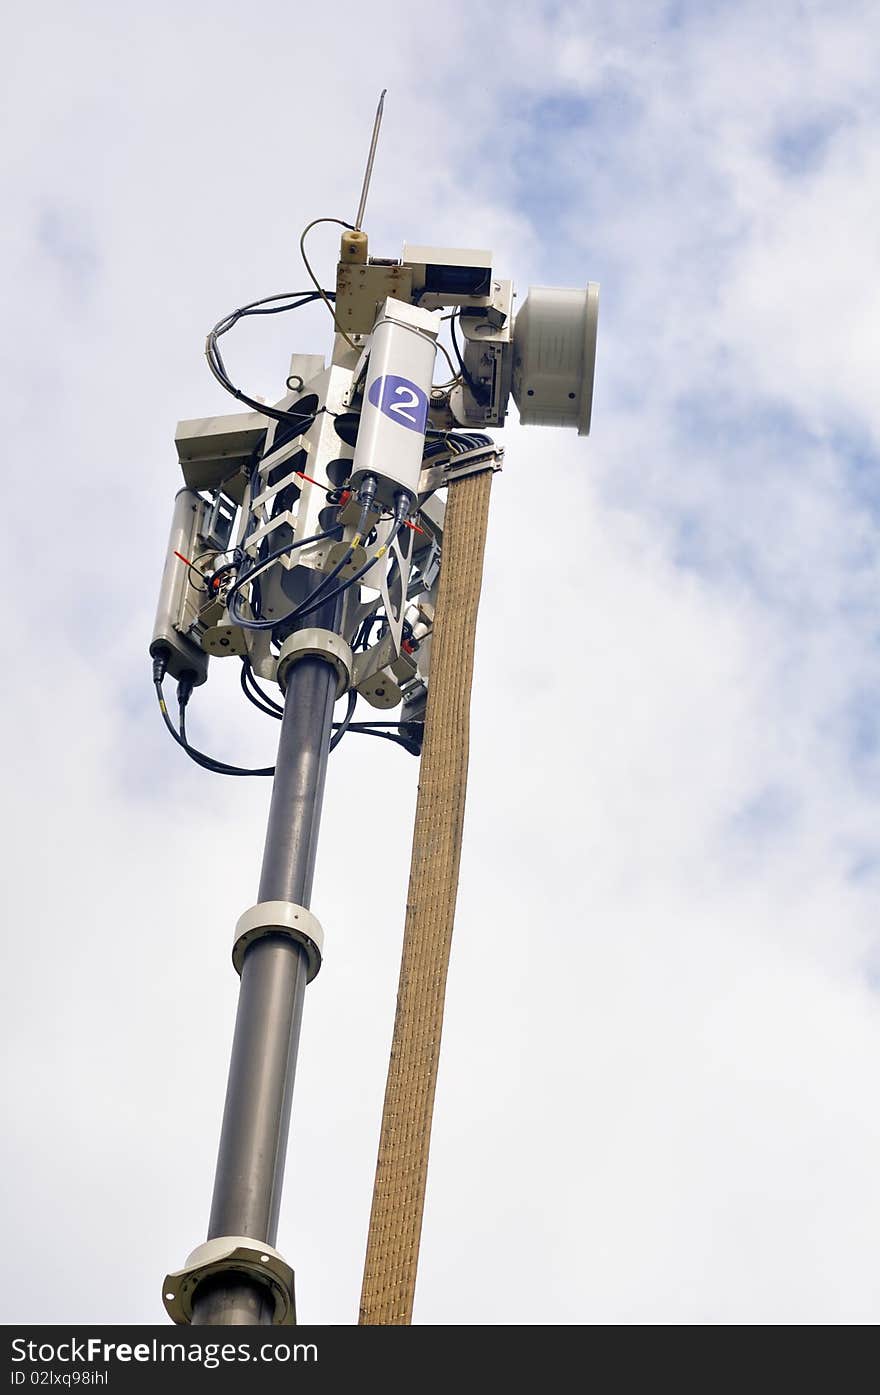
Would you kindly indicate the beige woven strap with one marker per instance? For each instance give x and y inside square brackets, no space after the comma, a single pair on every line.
[402,1165]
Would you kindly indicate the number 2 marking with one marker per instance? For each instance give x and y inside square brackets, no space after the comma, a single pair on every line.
[400,408]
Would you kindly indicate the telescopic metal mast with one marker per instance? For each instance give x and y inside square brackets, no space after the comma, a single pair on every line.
[308,543]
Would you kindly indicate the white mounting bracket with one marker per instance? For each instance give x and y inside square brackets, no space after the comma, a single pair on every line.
[471,462]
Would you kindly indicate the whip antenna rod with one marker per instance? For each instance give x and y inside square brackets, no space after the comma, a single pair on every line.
[368,172]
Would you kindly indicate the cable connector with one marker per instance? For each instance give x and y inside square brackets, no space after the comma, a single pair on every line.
[412,735]
[185,686]
[403,503]
[367,490]
[160,665]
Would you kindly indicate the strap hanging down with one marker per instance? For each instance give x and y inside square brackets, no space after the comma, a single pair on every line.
[402,1165]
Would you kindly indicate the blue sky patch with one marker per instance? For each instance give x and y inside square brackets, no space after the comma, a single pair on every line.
[61,236]
[800,148]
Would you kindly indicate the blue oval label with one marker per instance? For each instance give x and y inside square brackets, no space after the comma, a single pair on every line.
[401,400]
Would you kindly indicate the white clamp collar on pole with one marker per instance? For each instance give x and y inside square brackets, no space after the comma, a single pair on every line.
[280,918]
[325,643]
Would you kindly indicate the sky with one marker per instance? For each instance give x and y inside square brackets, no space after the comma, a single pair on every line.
[657,1099]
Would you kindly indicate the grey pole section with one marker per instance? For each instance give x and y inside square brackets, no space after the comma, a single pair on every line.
[256,1118]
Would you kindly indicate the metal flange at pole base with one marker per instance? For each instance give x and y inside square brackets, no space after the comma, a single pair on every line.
[222,1259]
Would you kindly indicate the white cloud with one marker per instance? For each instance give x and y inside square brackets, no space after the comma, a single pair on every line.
[655,1100]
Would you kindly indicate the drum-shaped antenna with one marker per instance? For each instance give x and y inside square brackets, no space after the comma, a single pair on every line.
[554,356]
